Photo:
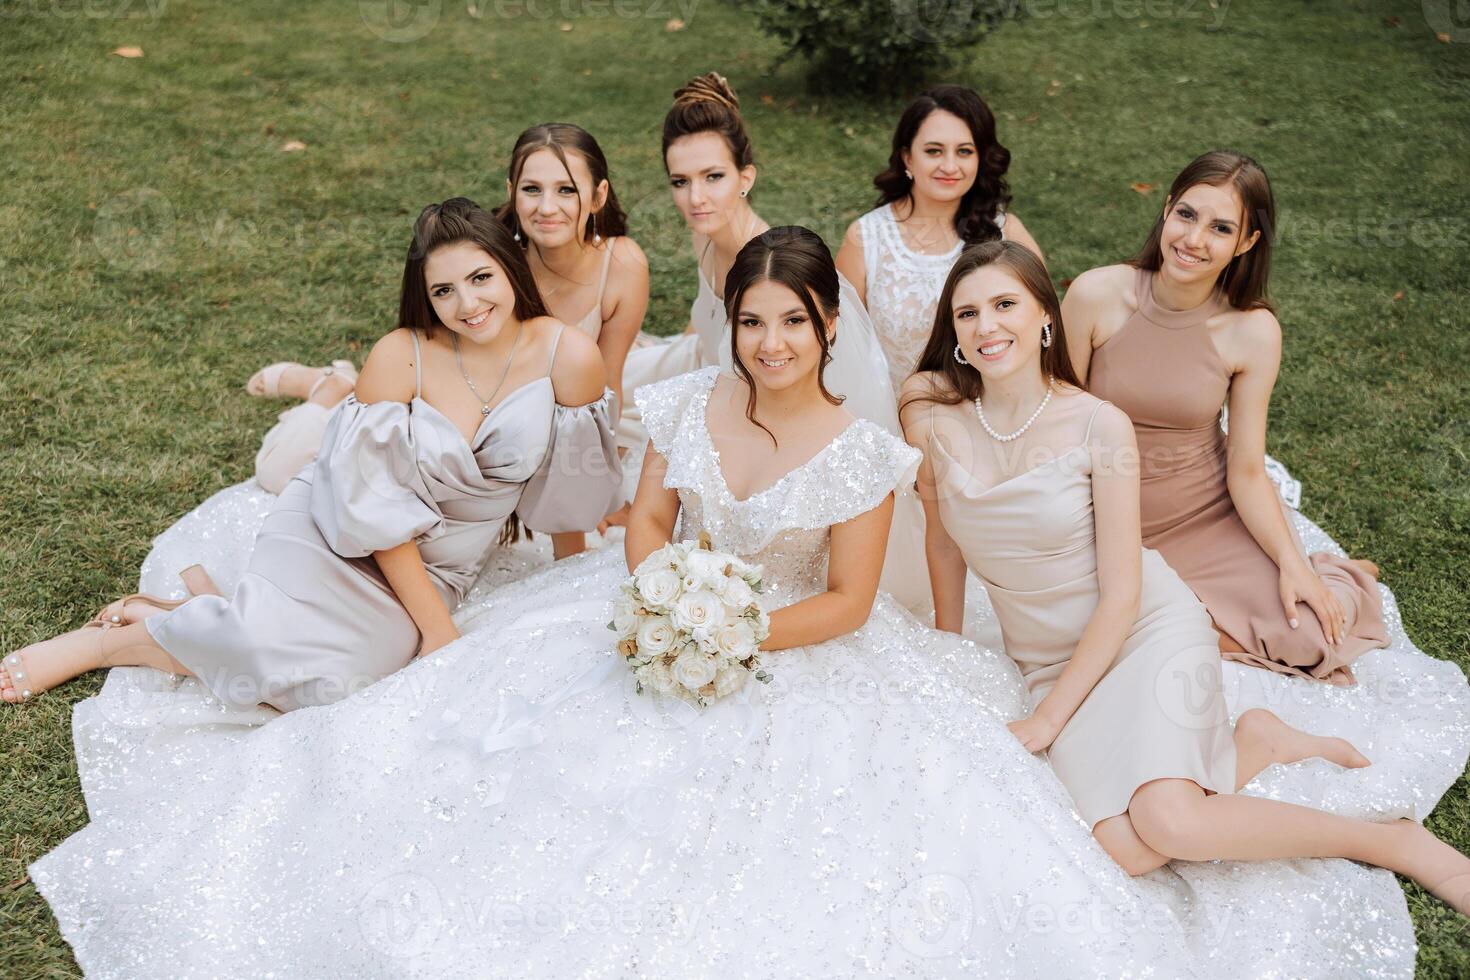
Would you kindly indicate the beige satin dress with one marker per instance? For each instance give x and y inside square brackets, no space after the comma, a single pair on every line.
[1159,711]
[313,619]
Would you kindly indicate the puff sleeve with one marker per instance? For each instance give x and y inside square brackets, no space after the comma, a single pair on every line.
[663,404]
[581,477]
[367,492]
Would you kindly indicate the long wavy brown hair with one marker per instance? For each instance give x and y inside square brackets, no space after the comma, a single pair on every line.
[1244,280]
[955,382]
[975,218]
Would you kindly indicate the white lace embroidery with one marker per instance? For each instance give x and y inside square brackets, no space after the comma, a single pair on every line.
[903,289]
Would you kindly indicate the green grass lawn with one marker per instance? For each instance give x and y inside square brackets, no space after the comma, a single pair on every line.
[157,246]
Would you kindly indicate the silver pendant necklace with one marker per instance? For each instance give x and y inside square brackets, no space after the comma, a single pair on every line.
[485,402]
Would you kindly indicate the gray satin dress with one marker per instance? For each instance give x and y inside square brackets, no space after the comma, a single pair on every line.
[313,619]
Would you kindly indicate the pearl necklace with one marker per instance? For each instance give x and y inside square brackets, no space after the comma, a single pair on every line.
[980,414]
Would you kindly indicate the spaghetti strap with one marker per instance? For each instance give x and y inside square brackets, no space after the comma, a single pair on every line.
[1091,419]
[551,361]
[602,283]
[418,359]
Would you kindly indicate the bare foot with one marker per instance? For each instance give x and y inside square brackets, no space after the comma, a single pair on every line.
[41,666]
[1285,744]
[134,609]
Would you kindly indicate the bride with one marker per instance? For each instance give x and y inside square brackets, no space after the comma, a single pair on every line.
[510,806]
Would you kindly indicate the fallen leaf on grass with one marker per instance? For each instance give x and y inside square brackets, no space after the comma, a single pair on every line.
[293,146]
[1393,21]
[674,24]
[565,28]
[128,51]
[767,99]
[1139,187]
[1398,295]
[1054,87]
[1032,118]
[1443,38]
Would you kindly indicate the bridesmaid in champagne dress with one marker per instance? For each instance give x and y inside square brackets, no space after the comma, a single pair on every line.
[367,551]
[1207,505]
[1118,654]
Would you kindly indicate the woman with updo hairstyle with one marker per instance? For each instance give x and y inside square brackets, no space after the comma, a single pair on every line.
[1174,337]
[711,166]
[944,188]
[711,169]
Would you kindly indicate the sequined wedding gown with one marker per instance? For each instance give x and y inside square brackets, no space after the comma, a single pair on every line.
[508,806]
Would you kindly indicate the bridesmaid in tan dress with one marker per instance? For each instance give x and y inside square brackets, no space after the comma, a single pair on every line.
[1171,338]
[1032,483]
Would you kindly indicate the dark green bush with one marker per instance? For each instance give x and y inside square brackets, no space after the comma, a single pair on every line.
[877,45]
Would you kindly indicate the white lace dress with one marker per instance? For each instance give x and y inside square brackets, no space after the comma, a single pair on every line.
[509,807]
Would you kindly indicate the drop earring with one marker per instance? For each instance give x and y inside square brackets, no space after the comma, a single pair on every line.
[596,238]
[907,174]
[1046,335]
[517,235]
[959,355]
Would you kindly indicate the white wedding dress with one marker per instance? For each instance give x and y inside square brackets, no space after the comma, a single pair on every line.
[509,806]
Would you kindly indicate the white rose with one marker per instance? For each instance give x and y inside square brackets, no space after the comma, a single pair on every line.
[735,639]
[730,680]
[625,620]
[709,568]
[656,635]
[738,593]
[659,587]
[694,669]
[658,676]
[693,610]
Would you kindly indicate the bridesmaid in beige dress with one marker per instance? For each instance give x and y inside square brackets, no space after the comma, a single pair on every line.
[1173,337]
[1032,483]
[564,213]
[478,414]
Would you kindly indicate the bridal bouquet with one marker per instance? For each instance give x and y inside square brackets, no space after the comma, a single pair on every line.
[689,624]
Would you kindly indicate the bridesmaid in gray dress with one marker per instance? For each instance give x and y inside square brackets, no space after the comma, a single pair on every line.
[478,414]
